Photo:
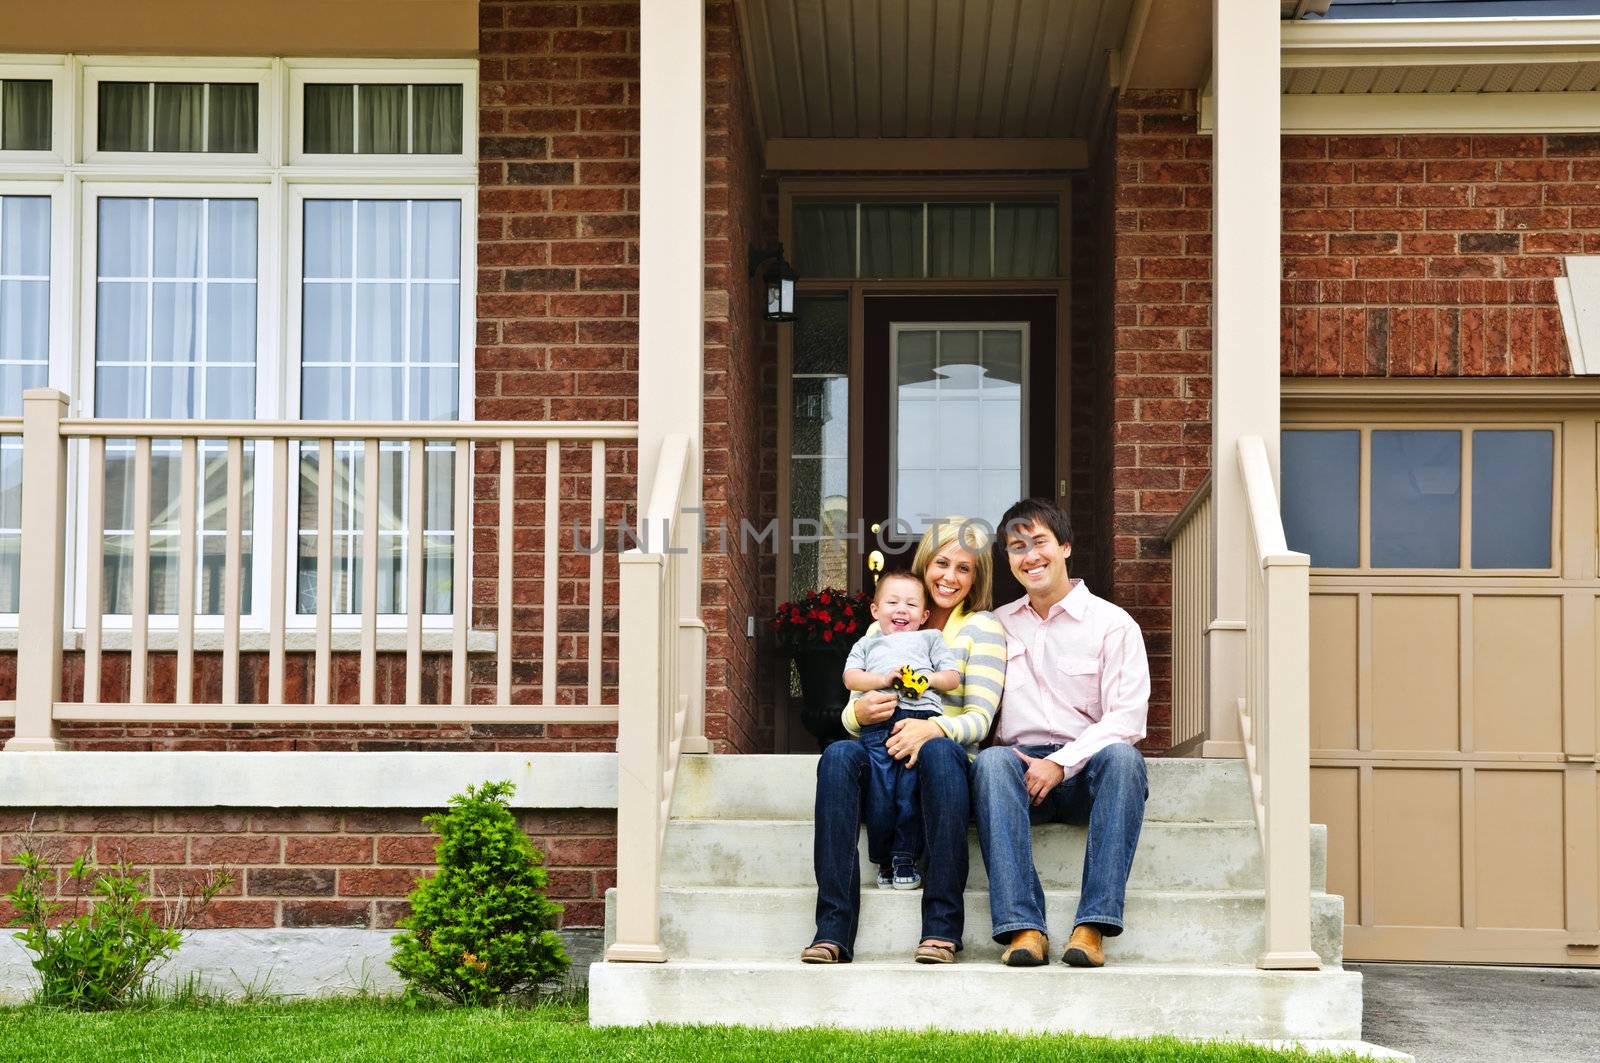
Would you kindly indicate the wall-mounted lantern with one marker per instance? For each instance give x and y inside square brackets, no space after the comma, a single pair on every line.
[778,304]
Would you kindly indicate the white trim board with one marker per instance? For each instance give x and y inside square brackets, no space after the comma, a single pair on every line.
[1578,295]
[1431,112]
[166,780]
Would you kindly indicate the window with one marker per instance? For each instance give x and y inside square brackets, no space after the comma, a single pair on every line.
[1437,498]
[932,239]
[177,116]
[819,460]
[179,282]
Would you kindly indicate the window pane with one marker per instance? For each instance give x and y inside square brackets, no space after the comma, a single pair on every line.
[10,522]
[1513,483]
[231,127]
[124,116]
[1322,496]
[161,318]
[1026,240]
[1416,499]
[25,116]
[330,116]
[891,240]
[820,415]
[381,120]
[825,239]
[436,119]
[397,318]
[958,239]
[25,236]
[179,117]
[24,300]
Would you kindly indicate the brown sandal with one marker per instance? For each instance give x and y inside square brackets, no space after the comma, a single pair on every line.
[934,952]
[821,952]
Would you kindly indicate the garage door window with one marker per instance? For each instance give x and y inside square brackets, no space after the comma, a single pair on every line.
[1427,499]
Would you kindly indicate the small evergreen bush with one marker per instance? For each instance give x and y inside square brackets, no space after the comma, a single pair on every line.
[481,929]
[99,950]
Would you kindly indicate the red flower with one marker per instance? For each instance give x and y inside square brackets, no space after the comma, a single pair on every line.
[825,598]
[827,636]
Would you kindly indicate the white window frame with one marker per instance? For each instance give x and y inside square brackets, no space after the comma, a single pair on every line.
[303,72]
[53,69]
[75,174]
[259,72]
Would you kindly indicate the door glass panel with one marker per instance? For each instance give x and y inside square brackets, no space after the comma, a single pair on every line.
[958,421]
[1416,499]
[819,488]
[1321,496]
[1513,480]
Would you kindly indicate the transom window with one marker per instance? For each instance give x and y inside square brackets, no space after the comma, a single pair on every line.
[929,239]
[1445,498]
[271,288]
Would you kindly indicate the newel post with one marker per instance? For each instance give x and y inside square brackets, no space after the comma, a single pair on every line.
[43,580]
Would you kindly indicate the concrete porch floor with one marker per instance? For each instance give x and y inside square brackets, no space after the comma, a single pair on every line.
[1445,1014]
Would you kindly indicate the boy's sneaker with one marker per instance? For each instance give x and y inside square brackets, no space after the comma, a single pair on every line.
[885,877]
[905,877]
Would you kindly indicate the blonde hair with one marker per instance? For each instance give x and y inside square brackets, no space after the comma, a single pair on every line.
[972,536]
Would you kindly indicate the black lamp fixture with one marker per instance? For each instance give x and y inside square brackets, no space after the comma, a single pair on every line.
[779,281]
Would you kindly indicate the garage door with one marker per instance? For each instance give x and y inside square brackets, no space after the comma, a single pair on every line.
[1455,618]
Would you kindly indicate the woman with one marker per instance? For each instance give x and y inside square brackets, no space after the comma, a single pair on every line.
[953,562]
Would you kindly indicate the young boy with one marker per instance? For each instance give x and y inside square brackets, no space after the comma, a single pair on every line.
[918,664]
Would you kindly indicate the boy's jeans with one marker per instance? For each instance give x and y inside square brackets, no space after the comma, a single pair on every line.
[1108,794]
[893,814]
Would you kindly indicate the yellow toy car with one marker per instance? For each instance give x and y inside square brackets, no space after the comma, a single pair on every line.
[910,681]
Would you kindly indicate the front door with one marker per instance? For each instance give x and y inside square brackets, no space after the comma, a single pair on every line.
[959,400]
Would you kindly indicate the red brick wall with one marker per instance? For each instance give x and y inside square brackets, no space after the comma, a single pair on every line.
[303,867]
[739,400]
[1432,255]
[1161,349]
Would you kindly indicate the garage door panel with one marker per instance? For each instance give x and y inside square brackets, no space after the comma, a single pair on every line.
[1335,671]
[1416,673]
[1416,855]
[1520,867]
[1335,800]
[1516,674]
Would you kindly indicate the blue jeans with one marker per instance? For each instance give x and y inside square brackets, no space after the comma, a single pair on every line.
[1108,795]
[842,776]
[894,822]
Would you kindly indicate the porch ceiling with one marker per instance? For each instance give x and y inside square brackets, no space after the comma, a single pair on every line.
[930,68]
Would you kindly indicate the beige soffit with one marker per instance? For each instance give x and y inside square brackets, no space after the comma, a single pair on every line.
[1439,75]
[930,68]
[1578,294]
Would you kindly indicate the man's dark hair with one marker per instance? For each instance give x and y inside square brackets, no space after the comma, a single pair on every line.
[1036,511]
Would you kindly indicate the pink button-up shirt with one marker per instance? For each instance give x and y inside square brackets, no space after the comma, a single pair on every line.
[1077,678]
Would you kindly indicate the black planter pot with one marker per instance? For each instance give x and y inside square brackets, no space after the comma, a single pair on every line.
[822,692]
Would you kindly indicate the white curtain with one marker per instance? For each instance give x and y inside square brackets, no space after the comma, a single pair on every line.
[330,116]
[25,116]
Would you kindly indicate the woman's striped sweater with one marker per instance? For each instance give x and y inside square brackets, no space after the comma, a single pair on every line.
[979,643]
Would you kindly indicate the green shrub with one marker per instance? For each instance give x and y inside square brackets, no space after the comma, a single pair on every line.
[481,929]
[101,954]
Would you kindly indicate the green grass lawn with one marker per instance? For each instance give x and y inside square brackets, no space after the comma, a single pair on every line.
[379,1030]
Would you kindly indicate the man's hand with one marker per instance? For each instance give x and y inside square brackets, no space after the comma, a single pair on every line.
[1042,777]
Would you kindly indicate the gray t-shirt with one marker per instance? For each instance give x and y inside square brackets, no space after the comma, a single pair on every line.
[924,650]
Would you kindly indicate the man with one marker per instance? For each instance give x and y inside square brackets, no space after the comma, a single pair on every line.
[1076,695]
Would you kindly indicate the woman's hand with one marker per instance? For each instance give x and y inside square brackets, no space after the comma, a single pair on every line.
[907,738]
[875,706]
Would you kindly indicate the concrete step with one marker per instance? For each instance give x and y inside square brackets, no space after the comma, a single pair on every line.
[1163,927]
[1171,855]
[784,787]
[1120,1000]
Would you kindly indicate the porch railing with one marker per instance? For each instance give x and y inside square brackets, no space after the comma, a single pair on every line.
[656,677]
[570,457]
[1190,536]
[1275,714]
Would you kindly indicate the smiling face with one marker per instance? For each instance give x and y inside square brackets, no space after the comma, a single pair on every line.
[1039,561]
[949,575]
[898,605]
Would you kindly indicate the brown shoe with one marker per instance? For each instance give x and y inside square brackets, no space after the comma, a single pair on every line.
[1083,949]
[1027,948]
